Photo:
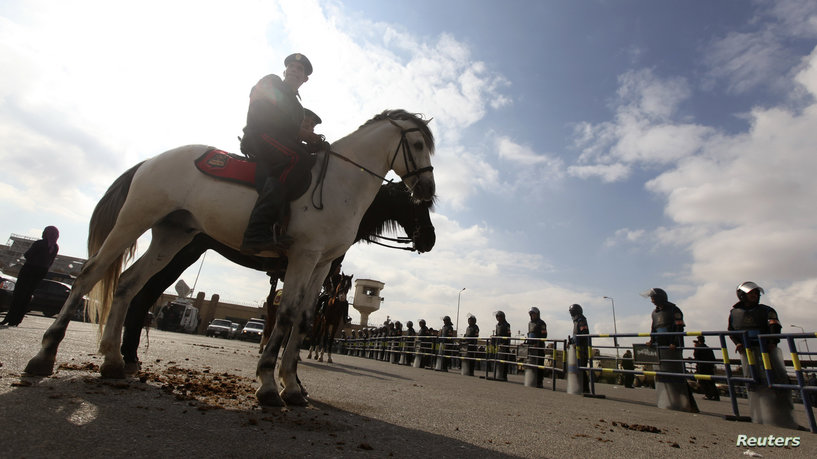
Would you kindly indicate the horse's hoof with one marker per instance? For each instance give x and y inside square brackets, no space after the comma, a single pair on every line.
[112,371]
[329,360]
[39,366]
[131,368]
[268,397]
[294,398]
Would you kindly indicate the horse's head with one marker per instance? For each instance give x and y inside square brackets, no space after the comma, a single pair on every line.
[393,206]
[413,147]
[343,286]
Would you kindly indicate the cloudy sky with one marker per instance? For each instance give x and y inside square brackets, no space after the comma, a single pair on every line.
[585,149]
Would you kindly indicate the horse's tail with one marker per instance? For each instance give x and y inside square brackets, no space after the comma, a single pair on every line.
[102,222]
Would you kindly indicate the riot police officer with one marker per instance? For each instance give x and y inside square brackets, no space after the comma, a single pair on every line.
[503,329]
[582,343]
[537,328]
[672,392]
[424,347]
[446,331]
[410,335]
[469,350]
[769,406]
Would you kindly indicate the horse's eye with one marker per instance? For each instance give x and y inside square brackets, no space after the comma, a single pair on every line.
[418,145]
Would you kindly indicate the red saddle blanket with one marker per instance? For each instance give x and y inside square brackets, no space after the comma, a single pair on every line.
[225,166]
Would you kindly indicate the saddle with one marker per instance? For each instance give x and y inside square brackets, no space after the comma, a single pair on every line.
[240,169]
[227,166]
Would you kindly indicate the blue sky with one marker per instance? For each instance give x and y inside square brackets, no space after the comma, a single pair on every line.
[585,149]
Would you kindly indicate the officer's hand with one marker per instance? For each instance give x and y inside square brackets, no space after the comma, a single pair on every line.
[739,348]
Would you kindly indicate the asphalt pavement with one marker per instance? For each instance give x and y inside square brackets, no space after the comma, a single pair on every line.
[194,397]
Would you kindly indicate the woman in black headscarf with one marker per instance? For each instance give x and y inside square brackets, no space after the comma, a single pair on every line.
[39,258]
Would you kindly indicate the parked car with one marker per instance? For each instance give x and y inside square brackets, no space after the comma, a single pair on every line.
[48,297]
[219,327]
[252,331]
[6,291]
[235,329]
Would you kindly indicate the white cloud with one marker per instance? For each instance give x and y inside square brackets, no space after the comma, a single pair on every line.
[743,207]
[643,131]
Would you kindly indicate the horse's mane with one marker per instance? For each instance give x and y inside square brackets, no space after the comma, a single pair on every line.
[417,119]
[391,196]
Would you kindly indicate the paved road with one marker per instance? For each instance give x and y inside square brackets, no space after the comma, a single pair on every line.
[194,398]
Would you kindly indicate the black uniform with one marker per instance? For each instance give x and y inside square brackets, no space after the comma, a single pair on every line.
[580,327]
[537,328]
[503,328]
[666,318]
[705,357]
[271,135]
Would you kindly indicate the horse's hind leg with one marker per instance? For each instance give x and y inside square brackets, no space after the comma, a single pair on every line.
[166,241]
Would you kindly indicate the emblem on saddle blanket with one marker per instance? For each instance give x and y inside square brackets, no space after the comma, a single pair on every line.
[225,166]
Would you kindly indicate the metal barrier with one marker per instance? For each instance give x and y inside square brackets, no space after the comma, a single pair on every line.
[494,356]
[801,386]
[497,356]
[728,377]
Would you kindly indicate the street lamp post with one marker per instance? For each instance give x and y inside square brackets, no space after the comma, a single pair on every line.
[802,330]
[615,329]
[458,310]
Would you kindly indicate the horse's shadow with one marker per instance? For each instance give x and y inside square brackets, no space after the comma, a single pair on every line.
[75,414]
[353,370]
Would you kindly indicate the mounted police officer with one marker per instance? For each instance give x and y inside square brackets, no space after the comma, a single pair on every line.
[537,328]
[582,343]
[501,345]
[769,406]
[673,392]
[273,138]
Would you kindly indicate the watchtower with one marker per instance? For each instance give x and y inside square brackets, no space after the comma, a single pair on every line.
[367,298]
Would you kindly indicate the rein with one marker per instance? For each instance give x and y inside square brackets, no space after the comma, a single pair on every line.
[402,240]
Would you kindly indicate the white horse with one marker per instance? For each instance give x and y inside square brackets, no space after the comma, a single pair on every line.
[169,196]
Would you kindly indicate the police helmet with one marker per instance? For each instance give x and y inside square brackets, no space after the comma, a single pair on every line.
[575,309]
[422,322]
[446,319]
[534,310]
[747,287]
[499,314]
[658,293]
[409,324]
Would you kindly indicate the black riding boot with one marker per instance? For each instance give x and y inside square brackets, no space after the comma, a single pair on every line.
[265,229]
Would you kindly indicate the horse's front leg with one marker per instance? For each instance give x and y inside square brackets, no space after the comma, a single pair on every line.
[267,394]
[300,314]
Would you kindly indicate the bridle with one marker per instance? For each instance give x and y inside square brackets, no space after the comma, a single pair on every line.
[413,170]
[408,160]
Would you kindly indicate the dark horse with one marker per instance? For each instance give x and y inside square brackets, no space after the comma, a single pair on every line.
[392,206]
[333,308]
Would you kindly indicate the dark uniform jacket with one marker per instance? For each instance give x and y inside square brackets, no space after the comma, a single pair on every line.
[274,110]
[667,317]
[758,320]
[580,327]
